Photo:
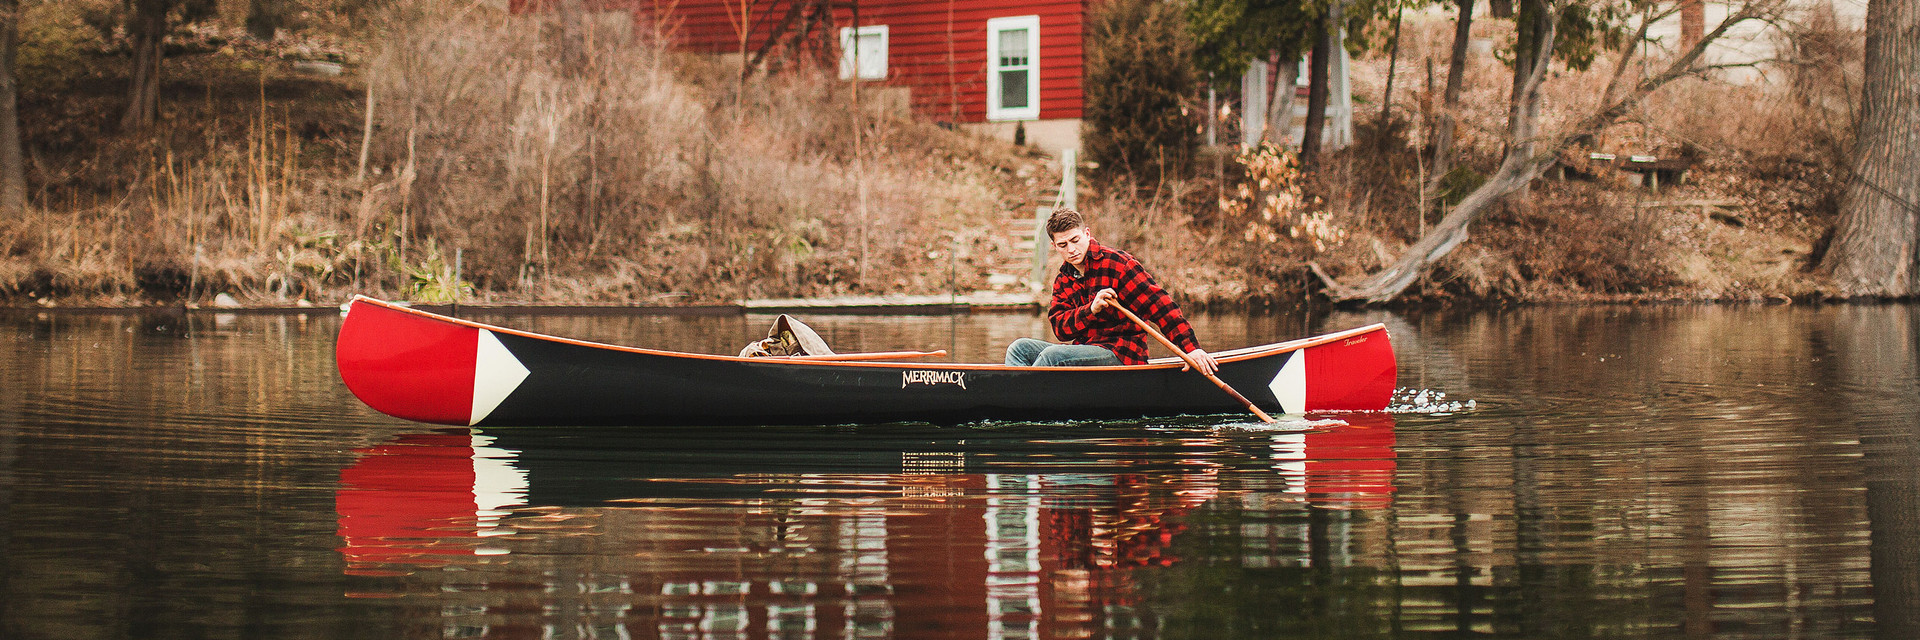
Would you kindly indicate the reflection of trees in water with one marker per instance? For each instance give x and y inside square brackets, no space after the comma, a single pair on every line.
[158,475]
[1632,471]
[1874,351]
[1423,363]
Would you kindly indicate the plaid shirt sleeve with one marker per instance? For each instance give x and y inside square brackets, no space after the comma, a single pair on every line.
[1074,322]
[1145,298]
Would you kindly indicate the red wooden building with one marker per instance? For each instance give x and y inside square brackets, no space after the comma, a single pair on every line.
[981,64]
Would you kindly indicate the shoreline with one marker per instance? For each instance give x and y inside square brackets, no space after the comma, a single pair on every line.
[980,302]
[925,305]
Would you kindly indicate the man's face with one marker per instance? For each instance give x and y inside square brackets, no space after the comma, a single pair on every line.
[1072,245]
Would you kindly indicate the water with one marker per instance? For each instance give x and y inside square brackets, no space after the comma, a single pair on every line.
[1676,471]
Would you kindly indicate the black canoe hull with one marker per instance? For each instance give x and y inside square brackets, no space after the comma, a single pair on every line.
[431,368]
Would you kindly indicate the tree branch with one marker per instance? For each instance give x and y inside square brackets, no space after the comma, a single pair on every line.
[1680,67]
[1519,166]
[1633,46]
[1753,64]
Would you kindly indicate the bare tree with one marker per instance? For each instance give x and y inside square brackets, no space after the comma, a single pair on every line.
[1450,102]
[1876,245]
[1286,82]
[1325,34]
[1529,155]
[1386,96]
[148,28]
[13,169]
[1534,28]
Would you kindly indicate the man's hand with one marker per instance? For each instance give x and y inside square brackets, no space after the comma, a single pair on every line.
[1105,298]
[1200,357]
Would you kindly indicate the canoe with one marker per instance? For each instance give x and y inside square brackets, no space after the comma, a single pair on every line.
[431,368]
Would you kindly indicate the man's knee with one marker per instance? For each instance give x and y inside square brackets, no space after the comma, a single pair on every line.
[1024,352]
[1051,356]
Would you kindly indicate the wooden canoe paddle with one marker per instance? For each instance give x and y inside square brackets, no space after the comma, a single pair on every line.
[1155,332]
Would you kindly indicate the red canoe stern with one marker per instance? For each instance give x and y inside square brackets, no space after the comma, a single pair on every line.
[1354,371]
[408,366]
[1355,374]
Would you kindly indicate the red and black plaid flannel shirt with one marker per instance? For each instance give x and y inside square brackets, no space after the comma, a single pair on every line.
[1104,268]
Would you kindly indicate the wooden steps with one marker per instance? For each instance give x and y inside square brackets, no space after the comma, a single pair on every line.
[1015,246]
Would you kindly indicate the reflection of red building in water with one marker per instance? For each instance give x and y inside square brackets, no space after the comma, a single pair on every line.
[931,549]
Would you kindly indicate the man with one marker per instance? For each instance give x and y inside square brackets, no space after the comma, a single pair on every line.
[1093,280]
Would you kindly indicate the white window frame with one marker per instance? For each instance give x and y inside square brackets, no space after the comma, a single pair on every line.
[994,27]
[849,39]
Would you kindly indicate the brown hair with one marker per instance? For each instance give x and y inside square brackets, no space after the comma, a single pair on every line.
[1064,219]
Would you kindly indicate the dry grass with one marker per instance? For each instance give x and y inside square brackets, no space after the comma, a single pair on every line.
[562,159]
[583,163]
[618,172]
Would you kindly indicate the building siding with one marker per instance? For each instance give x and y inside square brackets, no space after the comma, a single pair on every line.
[936,49]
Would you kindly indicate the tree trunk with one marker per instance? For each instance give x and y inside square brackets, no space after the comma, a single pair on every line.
[1517,169]
[1253,100]
[1318,61]
[149,31]
[265,17]
[1874,250]
[1386,95]
[13,167]
[572,36]
[233,13]
[1456,77]
[1533,35]
[1280,105]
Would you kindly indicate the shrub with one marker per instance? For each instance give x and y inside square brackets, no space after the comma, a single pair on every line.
[1140,76]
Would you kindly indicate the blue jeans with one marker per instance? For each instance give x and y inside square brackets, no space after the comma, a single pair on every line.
[1028,352]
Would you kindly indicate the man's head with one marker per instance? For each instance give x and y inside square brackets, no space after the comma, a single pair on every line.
[1070,235]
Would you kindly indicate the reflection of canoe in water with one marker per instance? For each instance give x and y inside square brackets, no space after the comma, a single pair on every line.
[430,368]
[451,496]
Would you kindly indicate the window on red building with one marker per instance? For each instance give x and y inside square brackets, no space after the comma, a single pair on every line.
[863,49]
[1013,68]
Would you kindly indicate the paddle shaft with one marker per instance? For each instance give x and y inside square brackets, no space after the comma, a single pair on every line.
[1155,332]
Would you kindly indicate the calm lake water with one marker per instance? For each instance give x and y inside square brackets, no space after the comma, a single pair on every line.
[1664,471]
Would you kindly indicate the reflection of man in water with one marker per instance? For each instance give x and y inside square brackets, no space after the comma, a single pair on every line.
[1093,279]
